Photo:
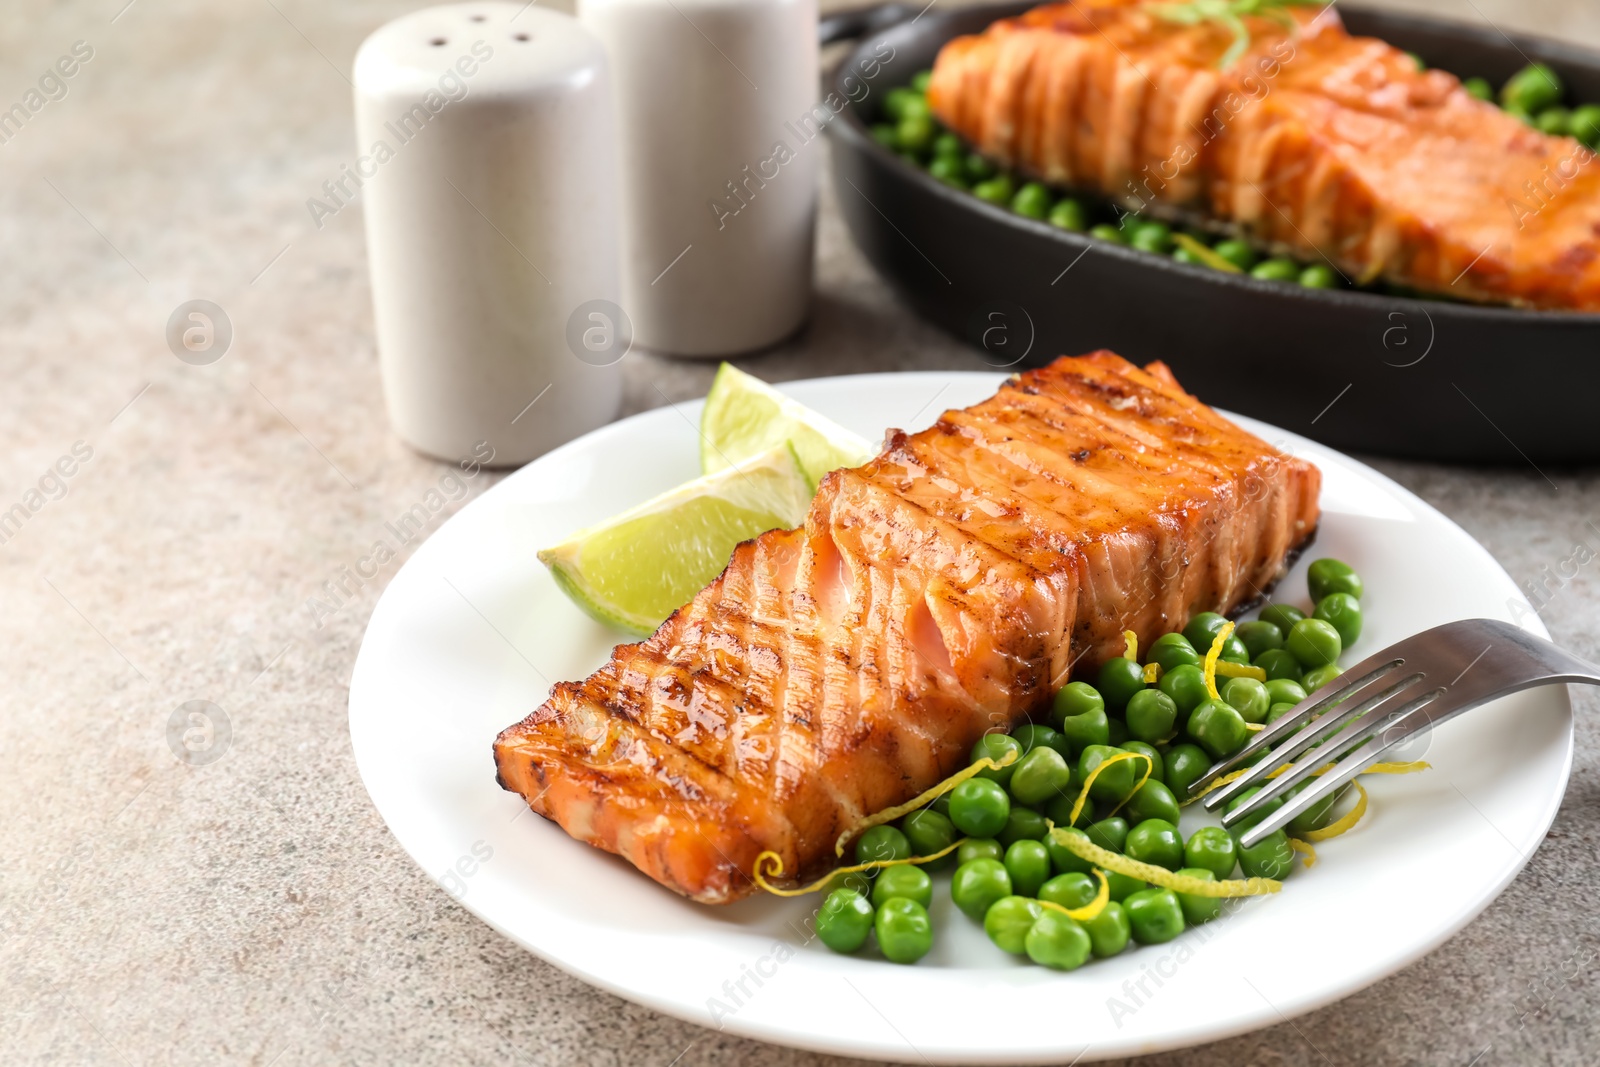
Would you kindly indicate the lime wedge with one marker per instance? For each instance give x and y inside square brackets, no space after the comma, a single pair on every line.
[745,416]
[635,569]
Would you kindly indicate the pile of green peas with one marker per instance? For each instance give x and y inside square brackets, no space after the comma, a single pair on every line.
[1534,94]
[1008,861]
[909,129]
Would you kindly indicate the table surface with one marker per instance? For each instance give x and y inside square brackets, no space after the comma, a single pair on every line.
[255,910]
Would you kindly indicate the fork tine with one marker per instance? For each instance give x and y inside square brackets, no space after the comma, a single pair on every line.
[1333,706]
[1344,771]
[1333,744]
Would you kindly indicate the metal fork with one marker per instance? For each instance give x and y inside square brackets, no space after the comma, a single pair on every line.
[1387,698]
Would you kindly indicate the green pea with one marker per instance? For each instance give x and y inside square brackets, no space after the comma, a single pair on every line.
[1151,715]
[882,843]
[920,80]
[941,804]
[1533,88]
[1186,685]
[1117,730]
[1255,817]
[1106,232]
[1120,886]
[1186,765]
[1283,616]
[1248,697]
[1041,775]
[997,190]
[1234,651]
[1076,698]
[1317,815]
[1586,124]
[1172,651]
[1213,849]
[996,747]
[1153,800]
[1008,921]
[886,135]
[1116,781]
[1478,88]
[1238,253]
[1157,766]
[1069,215]
[1110,834]
[1218,728]
[1058,942]
[900,101]
[1555,121]
[858,881]
[1285,691]
[1070,890]
[929,832]
[844,920]
[1278,711]
[1522,115]
[1332,576]
[1279,663]
[1119,679]
[1081,731]
[1198,909]
[1155,915]
[1158,842]
[906,881]
[977,885]
[1319,276]
[1343,612]
[1271,857]
[1277,269]
[1062,859]
[916,133]
[949,171]
[1028,864]
[1183,255]
[1031,735]
[1314,642]
[948,146]
[1024,824]
[1318,677]
[1109,931]
[1258,636]
[905,933]
[978,848]
[1151,236]
[1059,810]
[1202,631]
[1032,200]
[979,807]
[979,168]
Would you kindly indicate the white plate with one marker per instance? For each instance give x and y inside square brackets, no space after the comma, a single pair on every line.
[471,631]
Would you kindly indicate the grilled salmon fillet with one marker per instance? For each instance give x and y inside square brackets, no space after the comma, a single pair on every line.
[1313,142]
[943,590]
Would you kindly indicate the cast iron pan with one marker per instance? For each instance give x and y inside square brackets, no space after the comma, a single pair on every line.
[1357,370]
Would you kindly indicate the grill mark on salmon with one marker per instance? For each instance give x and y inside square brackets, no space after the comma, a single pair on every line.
[942,590]
[1314,143]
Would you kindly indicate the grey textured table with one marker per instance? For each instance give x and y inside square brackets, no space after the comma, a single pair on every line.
[255,910]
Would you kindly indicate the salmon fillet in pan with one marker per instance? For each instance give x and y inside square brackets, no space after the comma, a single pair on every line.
[1313,142]
[942,590]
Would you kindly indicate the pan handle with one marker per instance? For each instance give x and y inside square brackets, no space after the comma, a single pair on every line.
[857,22]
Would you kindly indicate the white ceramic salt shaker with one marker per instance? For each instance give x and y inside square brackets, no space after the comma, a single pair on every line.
[719,160]
[488,172]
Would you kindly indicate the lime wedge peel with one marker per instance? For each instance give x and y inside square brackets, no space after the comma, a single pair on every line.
[635,569]
[744,417]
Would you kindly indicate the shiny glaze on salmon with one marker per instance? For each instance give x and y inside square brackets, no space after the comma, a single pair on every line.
[1314,142]
[942,590]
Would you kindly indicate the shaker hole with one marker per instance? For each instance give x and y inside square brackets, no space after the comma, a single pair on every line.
[519,37]
[475,18]
[437,42]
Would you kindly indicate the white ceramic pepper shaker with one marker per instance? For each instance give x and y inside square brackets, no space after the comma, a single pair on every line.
[719,165]
[488,171]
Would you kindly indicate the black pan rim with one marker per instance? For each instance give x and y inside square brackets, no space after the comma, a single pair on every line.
[849,125]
